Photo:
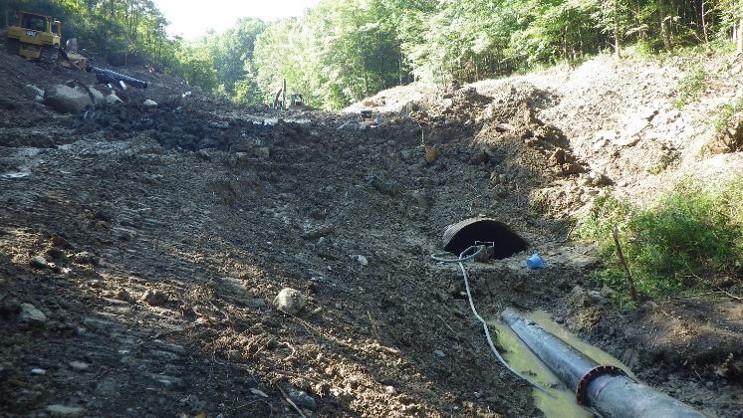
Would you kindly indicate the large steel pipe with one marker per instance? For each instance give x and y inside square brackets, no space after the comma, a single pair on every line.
[105,76]
[606,389]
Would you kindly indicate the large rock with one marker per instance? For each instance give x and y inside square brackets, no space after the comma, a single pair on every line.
[31,315]
[66,99]
[290,301]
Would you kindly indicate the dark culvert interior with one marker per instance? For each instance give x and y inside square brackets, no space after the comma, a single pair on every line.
[464,234]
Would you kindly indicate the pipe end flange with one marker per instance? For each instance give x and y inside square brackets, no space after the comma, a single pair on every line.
[581,392]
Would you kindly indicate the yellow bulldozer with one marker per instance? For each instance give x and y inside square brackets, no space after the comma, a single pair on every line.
[35,37]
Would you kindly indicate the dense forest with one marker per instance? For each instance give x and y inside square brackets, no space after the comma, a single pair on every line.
[343,50]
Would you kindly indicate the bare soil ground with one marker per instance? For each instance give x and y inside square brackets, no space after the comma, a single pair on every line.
[153,241]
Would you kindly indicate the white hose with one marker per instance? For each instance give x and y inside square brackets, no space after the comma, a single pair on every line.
[475,251]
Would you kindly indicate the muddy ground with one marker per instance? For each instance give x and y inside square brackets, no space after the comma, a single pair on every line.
[141,249]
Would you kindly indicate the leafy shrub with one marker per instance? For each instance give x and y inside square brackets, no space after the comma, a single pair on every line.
[730,114]
[691,87]
[688,238]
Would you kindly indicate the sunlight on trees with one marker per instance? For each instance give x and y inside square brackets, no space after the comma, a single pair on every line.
[343,50]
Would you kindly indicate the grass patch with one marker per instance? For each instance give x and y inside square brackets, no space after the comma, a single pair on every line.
[691,87]
[688,240]
[663,162]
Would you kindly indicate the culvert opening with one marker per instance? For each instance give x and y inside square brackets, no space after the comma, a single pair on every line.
[462,235]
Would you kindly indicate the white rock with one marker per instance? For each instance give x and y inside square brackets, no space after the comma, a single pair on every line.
[258,392]
[38,372]
[38,262]
[290,301]
[360,259]
[64,411]
[79,365]
[150,103]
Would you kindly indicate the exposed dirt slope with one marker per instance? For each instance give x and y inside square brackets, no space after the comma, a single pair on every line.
[140,250]
[623,126]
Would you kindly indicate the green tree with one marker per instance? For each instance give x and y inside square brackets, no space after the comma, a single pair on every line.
[232,57]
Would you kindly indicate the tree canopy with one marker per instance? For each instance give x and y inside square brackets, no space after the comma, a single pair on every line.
[343,50]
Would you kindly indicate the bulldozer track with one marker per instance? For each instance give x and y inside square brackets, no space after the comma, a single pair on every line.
[49,54]
[12,46]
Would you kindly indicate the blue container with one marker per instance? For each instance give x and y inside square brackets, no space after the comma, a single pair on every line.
[535,262]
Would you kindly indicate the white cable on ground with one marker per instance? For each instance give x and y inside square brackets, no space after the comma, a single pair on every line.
[474,252]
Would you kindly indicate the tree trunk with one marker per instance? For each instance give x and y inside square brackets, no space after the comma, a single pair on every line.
[740,36]
[617,51]
[399,68]
[664,26]
[704,24]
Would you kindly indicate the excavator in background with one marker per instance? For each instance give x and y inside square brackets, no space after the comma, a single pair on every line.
[296,100]
[35,37]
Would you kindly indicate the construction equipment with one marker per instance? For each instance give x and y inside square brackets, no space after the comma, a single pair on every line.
[35,37]
[296,101]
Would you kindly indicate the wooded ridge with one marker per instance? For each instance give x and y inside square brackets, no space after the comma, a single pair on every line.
[343,50]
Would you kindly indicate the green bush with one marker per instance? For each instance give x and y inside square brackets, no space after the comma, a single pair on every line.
[691,87]
[687,239]
[728,110]
[729,116]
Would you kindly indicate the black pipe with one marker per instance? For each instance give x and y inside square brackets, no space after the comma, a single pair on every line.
[105,76]
[606,389]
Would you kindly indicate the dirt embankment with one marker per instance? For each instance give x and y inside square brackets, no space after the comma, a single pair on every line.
[141,248]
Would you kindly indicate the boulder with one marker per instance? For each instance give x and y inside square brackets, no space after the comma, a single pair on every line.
[66,99]
[290,301]
[31,315]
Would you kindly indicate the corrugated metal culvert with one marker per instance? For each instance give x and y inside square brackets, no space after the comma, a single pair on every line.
[464,234]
